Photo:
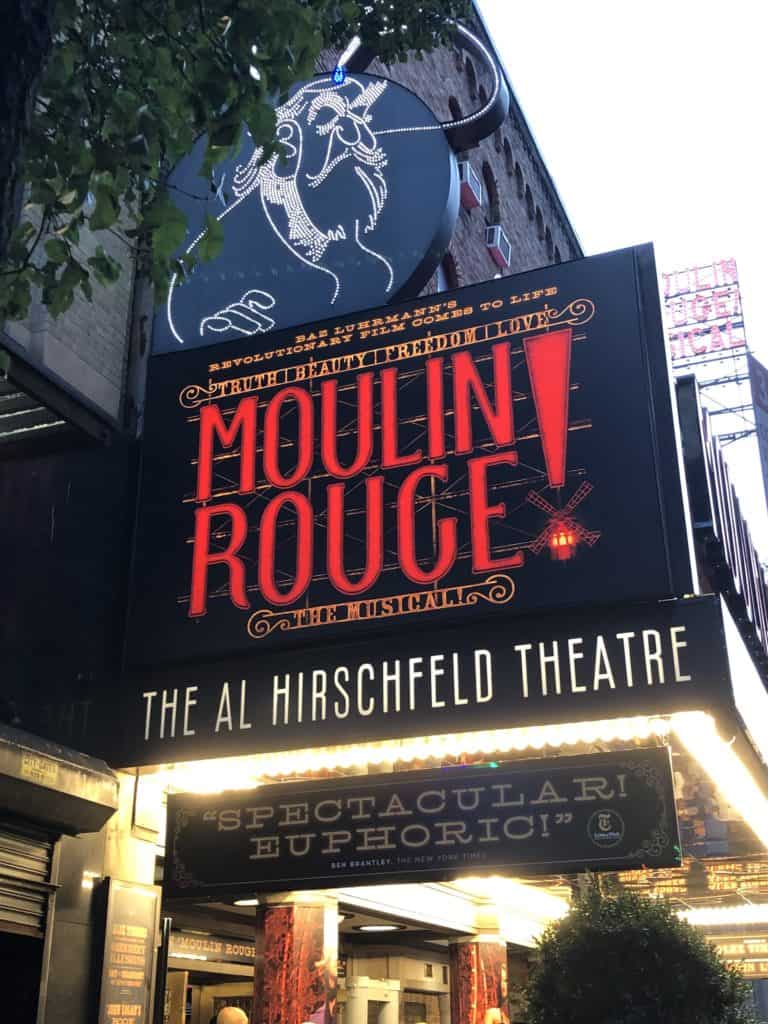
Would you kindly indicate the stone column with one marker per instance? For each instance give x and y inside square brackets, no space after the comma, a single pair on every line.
[361,990]
[356,1006]
[444,999]
[299,983]
[479,981]
[390,1011]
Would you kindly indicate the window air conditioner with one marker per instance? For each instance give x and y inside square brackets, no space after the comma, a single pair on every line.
[471,186]
[498,246]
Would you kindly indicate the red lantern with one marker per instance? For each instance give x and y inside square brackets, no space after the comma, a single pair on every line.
[562,542]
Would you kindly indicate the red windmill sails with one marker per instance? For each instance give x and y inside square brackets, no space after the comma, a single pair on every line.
[563,533]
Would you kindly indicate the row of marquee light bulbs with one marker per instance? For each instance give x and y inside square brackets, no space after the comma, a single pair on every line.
[695,731]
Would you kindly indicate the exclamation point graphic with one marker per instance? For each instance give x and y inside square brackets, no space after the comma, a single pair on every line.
[549,366]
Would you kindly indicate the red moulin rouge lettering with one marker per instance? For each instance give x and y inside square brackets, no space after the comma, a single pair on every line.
[390,457]
[268,548]
[466,380]
[242,424]
[481,512]
[305,441]
[204,557]
[406,525]
[329,398]
[308,456]
[374,537]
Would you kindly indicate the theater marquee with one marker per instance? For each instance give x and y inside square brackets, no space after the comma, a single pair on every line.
[597,811]
[489,452]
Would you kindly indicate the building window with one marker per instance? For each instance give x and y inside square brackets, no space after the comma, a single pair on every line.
[509,160]
[427,970]
[519,181]
[454,108]
[493,215]
[445,975]
[483,96]
[415,1013]
[558,257]
[539,223]
[529,205]
[548,241]
[471,79]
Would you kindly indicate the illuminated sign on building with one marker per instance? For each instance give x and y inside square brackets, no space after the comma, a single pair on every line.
[596,811]
[425,463]
[346,526]
[703,310]
[356,209]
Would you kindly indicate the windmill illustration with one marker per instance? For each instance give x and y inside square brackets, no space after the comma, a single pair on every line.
[563,533]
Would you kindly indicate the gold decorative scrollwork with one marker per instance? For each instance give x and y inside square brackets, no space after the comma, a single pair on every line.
[577,312]
[495,590]
[264,622]
[193,395]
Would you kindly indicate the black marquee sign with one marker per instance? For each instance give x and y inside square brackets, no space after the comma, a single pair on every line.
[598,663]
[357,211]
[612,811]
[500,450]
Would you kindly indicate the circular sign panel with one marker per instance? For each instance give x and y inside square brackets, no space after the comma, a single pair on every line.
[357,212]
[606,828]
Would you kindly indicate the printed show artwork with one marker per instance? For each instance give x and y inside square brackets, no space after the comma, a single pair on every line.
[357,209]
[299,983]
[479,991]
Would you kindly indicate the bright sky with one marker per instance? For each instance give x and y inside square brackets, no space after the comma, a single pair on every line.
[652,120]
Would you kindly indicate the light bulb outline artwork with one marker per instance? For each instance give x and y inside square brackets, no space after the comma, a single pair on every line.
[348,124]
[351,115]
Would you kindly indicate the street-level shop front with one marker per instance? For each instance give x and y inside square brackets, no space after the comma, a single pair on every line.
[421,631]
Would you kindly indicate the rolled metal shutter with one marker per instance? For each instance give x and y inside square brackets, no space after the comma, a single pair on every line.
[26,856]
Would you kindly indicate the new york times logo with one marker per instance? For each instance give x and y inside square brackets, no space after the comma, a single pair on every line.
[606,828]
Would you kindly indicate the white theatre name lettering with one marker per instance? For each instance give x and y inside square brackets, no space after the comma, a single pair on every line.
[433,681]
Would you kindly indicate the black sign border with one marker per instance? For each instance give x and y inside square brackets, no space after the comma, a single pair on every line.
[177,880]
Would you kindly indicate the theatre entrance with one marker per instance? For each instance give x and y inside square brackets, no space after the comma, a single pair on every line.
[390,954]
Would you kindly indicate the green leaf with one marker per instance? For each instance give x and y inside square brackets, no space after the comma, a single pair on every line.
[210,245]
[41,194]
[225,134]
[105,269]
[106,211]
[57,250]
[74,274]
[58,300]
[15,297]
[167,238]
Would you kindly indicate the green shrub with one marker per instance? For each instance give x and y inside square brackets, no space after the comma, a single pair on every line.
[622,958]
